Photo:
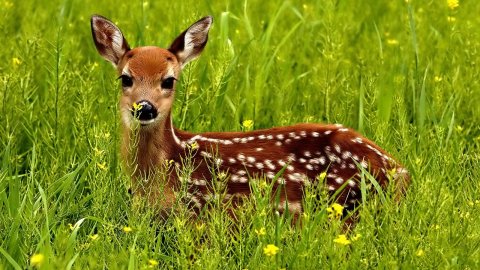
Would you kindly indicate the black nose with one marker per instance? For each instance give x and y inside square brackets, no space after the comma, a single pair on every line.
[144,111]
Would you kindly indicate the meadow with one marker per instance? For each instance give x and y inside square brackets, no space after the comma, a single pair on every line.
[403,73]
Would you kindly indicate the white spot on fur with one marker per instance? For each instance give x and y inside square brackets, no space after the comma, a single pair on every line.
[315,134]
[232,160]
[261,137]
[241,157]
[269,137]
[258,149]
[327,132]
[251,159]
[337,148]
[307,154]
[339,180]
[280,136]
[281,162]
[269,164]
[309,167]
[278,143]
[259,165]
[241,172]
[205,154]
[357,140]
[302,160]
[291,134]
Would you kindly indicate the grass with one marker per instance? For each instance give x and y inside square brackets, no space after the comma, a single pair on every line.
[405,74]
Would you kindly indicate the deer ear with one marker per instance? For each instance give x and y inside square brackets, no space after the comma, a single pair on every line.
[192,41]
[108,39]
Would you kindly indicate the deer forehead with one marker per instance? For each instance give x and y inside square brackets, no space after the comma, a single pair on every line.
[149,63]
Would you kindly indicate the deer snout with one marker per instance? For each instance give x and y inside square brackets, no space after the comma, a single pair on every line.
[144,111]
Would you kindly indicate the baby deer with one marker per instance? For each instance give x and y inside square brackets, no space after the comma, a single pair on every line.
[304,151]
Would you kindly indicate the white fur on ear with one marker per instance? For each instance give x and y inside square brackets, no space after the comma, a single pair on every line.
[108,39]
[192,41]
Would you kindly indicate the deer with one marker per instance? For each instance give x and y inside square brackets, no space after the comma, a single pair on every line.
[290,158]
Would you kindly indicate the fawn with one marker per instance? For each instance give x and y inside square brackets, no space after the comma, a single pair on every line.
[304,151]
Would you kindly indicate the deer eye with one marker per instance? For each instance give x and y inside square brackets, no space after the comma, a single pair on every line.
[126,81]
[168,83]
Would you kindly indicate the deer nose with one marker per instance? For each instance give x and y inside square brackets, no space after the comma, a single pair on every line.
[144,111]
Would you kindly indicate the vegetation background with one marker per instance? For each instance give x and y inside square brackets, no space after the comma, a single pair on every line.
[404,73]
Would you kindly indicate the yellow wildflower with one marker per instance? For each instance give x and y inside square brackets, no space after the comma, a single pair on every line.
[451,19]
[335,211]
[16,61]
[194,145]
[459,128]
[136,107]
[438,79]
[420,253]
[94,237]
[270,250]
[322,176]
[200,226]
[97,152]
[152,263]
[37,259]
[392,42]
[356,237]
[102,166]
[127,229]
[261,231]
[342,240]
[453,4]
[247,124]
[72,227]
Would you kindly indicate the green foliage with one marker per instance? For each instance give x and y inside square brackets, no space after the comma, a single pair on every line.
[405,73]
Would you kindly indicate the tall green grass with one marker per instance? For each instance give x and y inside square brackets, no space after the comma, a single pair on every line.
[404,73]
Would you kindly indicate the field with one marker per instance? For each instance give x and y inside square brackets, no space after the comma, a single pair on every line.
[403,73]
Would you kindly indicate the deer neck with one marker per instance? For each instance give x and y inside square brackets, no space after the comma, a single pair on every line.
[148,148]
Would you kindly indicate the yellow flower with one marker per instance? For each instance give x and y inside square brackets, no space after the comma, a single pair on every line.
[194,145]
[247,124]
[356,237]
[16,61]
[335,211]
[37,259]
[200,226]
[127,229]
[152,263]
[136,107]
[270,250]
[451,19]
[342,240]
[102,166]
[438,79]
[322,176]
[71,226]
[420,253]
[97,152]
[453,4]
[261,231]
[94,237]
[392,42]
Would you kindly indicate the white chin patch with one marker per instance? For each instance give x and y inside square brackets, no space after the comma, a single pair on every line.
[146,122]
